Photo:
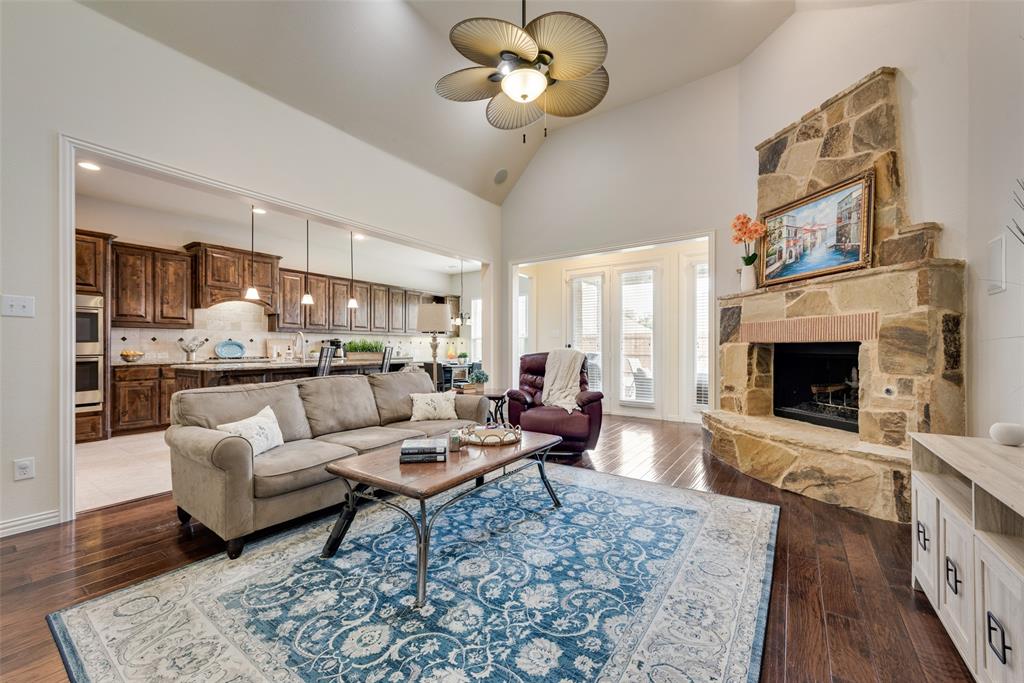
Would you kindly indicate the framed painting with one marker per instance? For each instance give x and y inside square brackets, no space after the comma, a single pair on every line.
[826,232]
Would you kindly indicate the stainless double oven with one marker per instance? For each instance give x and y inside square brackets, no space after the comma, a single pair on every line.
[90,346]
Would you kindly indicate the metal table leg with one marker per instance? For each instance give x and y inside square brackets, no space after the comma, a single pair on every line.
[422,548]
[544,478]
[348,513]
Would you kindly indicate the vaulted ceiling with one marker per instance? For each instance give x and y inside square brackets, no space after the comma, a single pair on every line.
[368,67]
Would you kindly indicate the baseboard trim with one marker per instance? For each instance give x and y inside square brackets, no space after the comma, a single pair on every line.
[18,525]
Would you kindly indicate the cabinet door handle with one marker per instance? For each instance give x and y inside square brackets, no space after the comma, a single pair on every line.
[952,576]
[1003,648]
[922,535]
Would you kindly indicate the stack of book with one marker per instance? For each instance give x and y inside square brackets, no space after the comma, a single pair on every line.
[424,450]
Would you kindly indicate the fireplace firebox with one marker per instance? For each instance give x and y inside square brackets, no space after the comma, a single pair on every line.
[817,383]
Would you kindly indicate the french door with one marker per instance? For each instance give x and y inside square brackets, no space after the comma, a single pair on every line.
[612,319]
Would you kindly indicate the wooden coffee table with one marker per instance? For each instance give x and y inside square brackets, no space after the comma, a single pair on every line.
[380,470]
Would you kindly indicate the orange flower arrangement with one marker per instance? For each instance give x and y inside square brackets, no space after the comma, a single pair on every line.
[746,231]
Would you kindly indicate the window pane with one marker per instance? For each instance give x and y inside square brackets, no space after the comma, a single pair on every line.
[586,324]
[476,330]
[523,317]
[700,332]
[637,336]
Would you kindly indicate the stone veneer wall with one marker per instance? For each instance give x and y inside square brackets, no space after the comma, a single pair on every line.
[911,370]
[855,131]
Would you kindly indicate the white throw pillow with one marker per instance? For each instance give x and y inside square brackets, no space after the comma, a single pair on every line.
[261,431]
[433,407]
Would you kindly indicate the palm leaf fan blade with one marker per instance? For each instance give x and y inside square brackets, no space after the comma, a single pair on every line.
[505,113]
[469,85]
[577,45]
[572,98]
[482,40]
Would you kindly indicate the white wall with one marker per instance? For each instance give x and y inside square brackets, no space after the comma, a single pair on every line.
[685,159]
[280,236]
[66,69]
[996,158]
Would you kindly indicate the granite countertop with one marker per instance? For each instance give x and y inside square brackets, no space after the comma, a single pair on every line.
[270,365]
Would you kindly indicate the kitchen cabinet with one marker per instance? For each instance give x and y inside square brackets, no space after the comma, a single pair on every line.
[361,315]
[89,427]
[317,313]
[289,314]
[133,286]
[91,254]
[224,273]
[453,305]
[379,309]
[142,397]
[339,312]
[966,491]
[412,311]
[396,308]
[151,287]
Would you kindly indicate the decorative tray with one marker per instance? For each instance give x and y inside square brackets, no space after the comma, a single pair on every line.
[492,435]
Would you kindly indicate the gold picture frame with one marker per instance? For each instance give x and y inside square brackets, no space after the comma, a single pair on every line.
[829,231]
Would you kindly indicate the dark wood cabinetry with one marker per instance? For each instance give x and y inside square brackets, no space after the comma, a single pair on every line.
[89,427]
[453,305]
[412,311]
[317,313]
[142,397]
[361,315]
[320,316]
[223,274]
[396,305]
[379,314]
[289,315]
[340,313]
[91,255]
[151,287]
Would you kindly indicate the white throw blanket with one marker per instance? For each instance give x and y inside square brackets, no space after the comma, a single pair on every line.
[562,378]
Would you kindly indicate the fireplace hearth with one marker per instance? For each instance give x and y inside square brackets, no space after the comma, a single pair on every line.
[817,383]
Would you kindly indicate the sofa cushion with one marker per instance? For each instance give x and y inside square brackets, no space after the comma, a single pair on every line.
[433,427]
[437,406]
[554,420]
[368,438]
[261,431]
[338,403]
[392,392]
[219,405]
[293,466]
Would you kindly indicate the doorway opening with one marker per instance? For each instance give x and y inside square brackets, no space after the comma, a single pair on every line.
[640,314]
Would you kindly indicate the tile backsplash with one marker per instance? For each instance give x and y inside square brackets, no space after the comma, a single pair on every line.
[247,323]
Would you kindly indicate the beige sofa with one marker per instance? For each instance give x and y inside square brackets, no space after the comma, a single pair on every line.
[217,480]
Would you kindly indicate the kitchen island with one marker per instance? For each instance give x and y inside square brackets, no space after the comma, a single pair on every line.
[215,374]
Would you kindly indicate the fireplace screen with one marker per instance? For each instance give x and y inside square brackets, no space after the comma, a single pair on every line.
[817,383]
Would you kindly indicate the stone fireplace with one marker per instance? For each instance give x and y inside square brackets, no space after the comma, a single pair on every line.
[823,379]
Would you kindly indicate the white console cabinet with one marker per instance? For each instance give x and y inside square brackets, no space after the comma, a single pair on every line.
[968,547]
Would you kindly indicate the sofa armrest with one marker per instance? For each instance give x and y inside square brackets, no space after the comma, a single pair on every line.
[518,397]
[585,398]
[469,407]
[210,447]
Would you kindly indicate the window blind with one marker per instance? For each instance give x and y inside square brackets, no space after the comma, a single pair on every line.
[636,341]
[586,324]
[701,340]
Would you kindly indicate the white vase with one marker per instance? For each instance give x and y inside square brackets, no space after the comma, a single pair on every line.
[748,279]
[1007,433]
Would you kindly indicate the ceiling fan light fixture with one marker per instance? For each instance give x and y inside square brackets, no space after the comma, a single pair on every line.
[524,84]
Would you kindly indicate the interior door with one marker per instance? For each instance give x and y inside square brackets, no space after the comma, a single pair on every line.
[587,323]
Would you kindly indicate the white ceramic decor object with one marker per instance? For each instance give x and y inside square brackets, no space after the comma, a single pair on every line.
[1007,433]
[748,279]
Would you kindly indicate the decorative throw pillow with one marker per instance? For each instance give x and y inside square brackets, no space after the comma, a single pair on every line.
[433,407]
[261,430]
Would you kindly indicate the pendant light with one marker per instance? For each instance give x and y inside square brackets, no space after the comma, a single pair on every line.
[462,318]
[307,298]
[352,303]
[251,294]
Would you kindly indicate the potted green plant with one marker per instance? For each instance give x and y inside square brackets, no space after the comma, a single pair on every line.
[475,382]
[463,357]
[364,350]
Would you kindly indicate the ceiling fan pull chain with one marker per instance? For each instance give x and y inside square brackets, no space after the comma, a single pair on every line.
[524,138]
[545,113]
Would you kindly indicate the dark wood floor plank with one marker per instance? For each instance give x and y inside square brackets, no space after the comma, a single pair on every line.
[840,581]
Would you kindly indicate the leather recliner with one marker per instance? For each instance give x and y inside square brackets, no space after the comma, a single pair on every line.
[579,429]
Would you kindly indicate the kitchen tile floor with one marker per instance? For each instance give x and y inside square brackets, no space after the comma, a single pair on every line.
[121,469]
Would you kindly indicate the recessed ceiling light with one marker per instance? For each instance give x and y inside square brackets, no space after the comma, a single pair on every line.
[88,165]
[360,237]
[259,212]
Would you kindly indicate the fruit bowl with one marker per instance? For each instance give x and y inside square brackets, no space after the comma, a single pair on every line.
[129,356]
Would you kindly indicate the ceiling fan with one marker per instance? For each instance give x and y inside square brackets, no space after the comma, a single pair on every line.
[550,66]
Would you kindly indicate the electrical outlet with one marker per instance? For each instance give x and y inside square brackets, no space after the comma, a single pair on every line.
[18,306]
[25,468]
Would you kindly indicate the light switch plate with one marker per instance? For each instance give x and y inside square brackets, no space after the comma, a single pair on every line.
[18,306]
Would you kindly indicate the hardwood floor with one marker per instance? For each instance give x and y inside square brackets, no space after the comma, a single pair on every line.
[841,606]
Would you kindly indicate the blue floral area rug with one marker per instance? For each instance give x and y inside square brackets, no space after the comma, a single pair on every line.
[628,581]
